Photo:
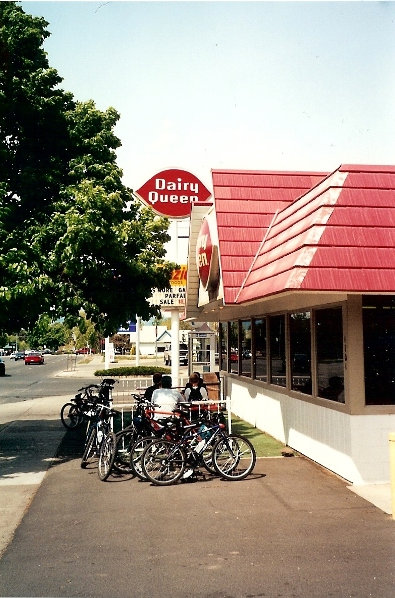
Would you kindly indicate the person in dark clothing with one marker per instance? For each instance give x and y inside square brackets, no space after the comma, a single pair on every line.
[195,389]
[157,380]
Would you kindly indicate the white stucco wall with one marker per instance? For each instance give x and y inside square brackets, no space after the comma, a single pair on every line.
[356,447]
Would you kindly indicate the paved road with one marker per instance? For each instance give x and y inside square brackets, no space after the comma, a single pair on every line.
[23,382]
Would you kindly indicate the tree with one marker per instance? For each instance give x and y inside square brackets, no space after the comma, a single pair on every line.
[71,234]
[49,334]
[121,343]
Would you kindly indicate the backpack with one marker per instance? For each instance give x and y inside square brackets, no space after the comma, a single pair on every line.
[195,394]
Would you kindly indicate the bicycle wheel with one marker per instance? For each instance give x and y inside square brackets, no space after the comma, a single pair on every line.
[208,459]
[70,416]
[122,451]
[106,456]
[234,457]
[89,448]
[163,462]
[136,452]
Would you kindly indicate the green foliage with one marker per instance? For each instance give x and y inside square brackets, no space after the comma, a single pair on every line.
[71,234]
[4,339]
[143,370]
[85,334]
[46,333]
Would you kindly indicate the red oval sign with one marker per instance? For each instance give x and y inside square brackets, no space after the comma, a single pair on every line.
[172,192]
[207,260]
[204,252]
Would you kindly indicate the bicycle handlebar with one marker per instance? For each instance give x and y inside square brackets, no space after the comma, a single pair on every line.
[88,387]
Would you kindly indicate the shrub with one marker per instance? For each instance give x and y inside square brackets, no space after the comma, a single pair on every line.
[142,370]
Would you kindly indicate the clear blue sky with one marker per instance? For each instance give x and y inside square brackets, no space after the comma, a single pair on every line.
[249,85]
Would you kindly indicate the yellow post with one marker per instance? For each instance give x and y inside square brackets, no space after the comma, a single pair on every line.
[392,471]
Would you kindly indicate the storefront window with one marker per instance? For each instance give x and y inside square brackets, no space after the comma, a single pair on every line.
[246,355]
[379,349]
[277,350]
[300,343]
[223,343]
[259,347]
[234,347]
[329,342]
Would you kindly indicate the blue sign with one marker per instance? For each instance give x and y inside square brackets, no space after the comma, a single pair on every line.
[131,327]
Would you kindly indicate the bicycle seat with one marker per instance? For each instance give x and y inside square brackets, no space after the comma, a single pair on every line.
[108,382]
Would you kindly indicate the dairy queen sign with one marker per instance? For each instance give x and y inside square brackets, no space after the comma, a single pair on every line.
[171,193]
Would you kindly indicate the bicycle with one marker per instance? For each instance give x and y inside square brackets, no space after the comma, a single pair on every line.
[121,451]
[99,427]
[170,428]
[99,422]
[74,412]
[231,456]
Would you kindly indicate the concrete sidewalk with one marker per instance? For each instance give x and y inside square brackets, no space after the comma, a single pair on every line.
[31,432]
[377,494]
[290,529]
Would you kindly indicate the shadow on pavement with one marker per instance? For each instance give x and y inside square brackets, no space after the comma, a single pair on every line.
[72,445]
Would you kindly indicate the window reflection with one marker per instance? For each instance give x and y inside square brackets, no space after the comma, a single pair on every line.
[329,340]
[260,357]
[223,343]
[379,349]
[246,354]
[234,347]
[277,350]
[300,344]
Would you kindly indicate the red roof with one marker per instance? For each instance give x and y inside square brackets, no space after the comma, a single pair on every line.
[245,203]
[340,236]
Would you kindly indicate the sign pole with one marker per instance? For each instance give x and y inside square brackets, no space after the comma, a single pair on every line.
[175,346]
[137,341]
[171,193]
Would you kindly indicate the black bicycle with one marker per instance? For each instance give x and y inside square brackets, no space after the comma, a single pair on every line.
[231,456]
[99,426]
[121,451]
[80,408]
[77,409]
[99,421]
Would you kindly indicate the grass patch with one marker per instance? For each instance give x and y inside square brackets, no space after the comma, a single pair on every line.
[85,360]
[265,445]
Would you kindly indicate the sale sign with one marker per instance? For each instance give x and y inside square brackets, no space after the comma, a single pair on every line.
[174,296]
[172,192]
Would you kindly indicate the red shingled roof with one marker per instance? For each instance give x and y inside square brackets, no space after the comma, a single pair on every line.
[245,203]
[340,236]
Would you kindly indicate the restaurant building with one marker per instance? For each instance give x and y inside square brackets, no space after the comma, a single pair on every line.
[298,269]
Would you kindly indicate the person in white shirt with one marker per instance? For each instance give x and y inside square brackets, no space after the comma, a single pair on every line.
[166,398]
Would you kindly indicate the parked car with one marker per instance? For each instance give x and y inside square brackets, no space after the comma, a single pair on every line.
[234,356]
[17,355]
[84,351]
[34,357]
[2,367]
